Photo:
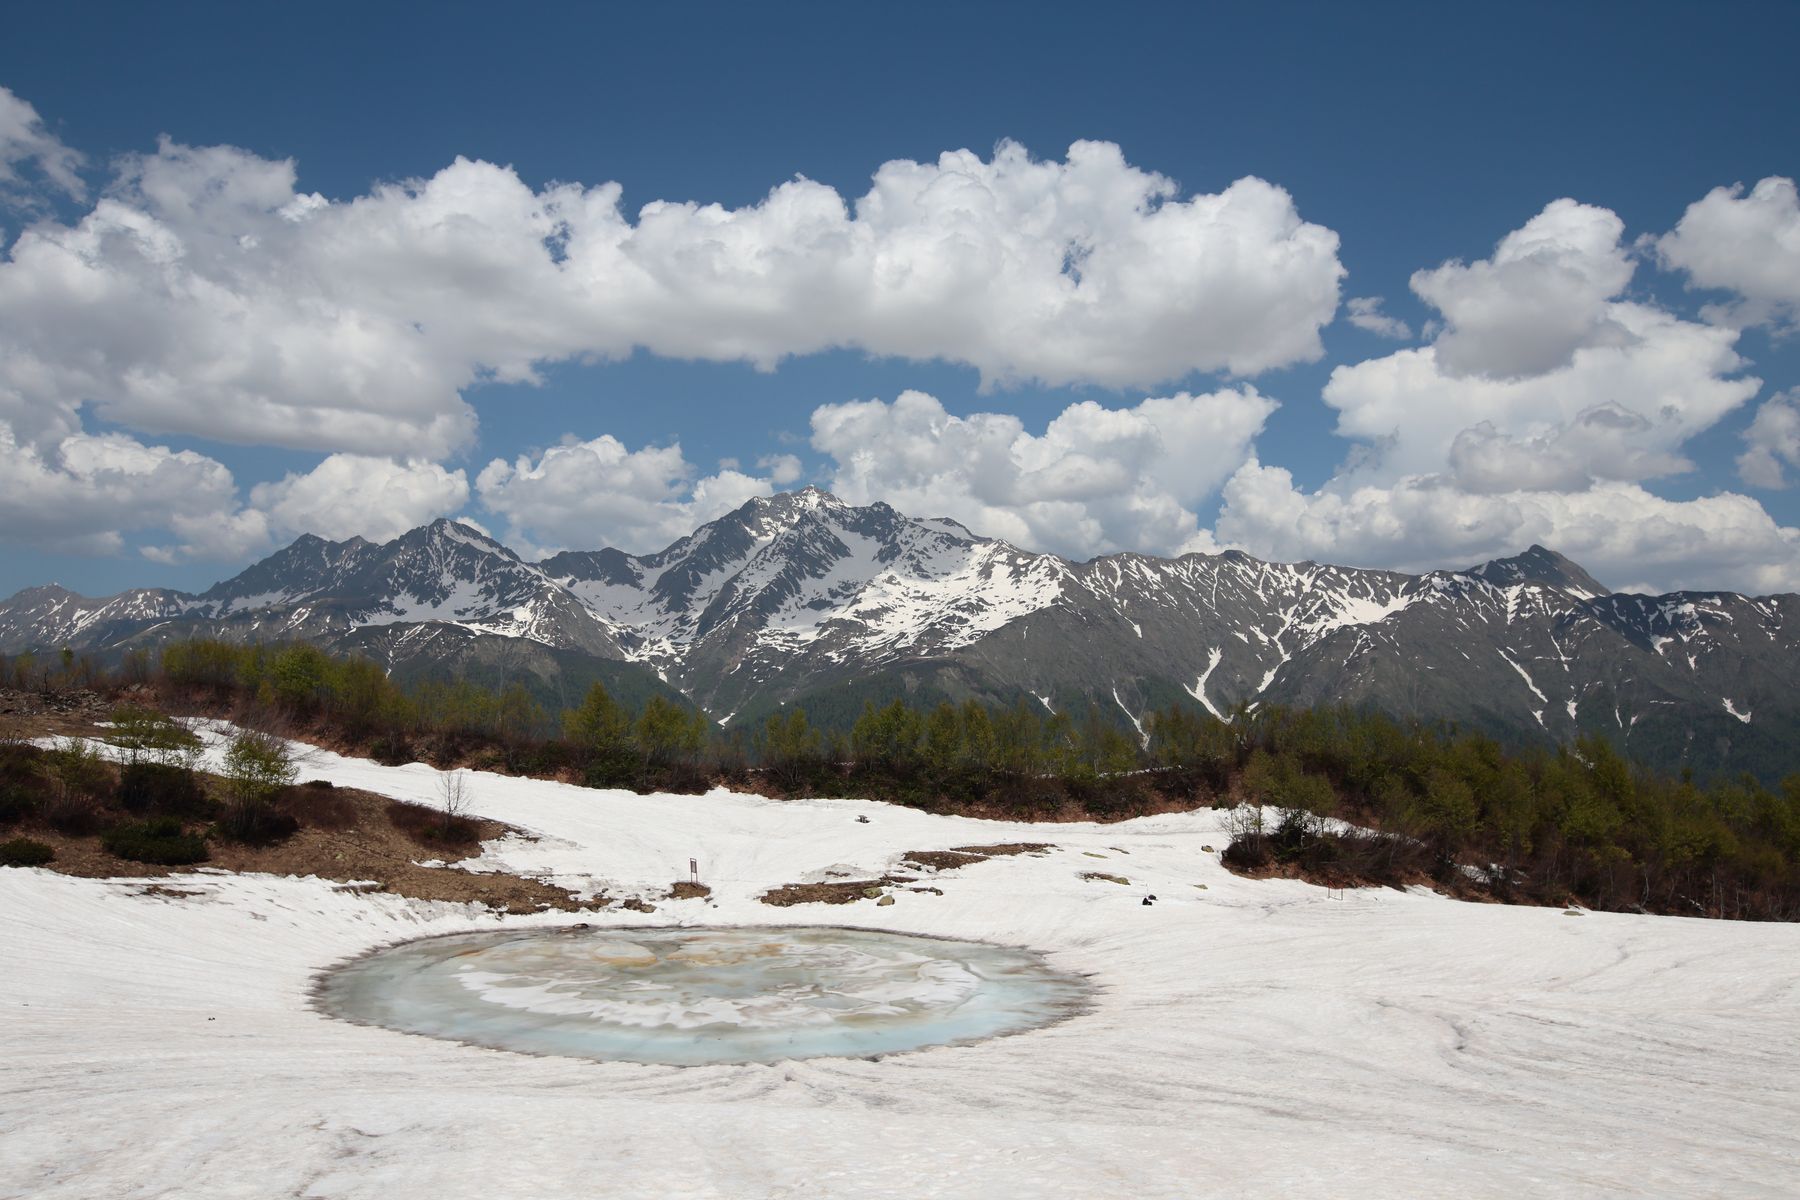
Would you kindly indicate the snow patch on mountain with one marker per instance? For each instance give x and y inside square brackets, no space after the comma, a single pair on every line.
[1198,691]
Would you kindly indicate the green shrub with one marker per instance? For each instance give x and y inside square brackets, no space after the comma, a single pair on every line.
[257,766]
[162,790]
[145,734]
[25,852]
[17,802]
[77,767]
[256,824]
[159,840]
[74,814]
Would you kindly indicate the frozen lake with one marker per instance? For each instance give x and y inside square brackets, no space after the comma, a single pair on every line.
[692,997]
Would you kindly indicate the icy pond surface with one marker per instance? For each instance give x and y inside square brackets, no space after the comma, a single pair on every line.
[693,996]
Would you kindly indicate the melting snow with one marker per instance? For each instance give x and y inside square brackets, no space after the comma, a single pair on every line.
[1526,676]
[1143,737]
[1463,1019]
[1198,691]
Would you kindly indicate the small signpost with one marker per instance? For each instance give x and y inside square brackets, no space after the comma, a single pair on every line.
[693,870]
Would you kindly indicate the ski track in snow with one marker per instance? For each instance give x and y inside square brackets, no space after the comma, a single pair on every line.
[1255,1038]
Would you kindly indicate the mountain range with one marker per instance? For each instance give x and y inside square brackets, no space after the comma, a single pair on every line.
[800,598]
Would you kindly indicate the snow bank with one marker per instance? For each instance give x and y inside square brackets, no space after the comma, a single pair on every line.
[1249,1038]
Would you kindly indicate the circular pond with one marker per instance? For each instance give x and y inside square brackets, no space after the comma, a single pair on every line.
[693,996]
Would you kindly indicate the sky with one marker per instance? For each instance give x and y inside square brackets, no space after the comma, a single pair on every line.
[1396,285]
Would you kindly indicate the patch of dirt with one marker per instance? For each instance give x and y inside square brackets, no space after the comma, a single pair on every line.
[847,892]
[1103,877]
[1342,880]
[171,893]
[432,829]
[50,714]
[962,856]
[941,860]
[689,890]
[345,835]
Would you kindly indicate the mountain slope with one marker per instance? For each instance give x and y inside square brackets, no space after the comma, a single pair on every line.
[800,597]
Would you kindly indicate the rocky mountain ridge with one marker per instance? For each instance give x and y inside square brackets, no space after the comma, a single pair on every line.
[802,598]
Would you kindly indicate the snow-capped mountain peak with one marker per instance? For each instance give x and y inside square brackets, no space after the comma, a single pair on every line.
[801,594]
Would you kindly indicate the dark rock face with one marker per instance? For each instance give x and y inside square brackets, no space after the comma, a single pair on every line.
[800,596]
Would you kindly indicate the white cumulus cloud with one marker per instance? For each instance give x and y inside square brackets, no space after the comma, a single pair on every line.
[1365,313]
[1628,537]
[587,494]
[1542,407]
[354,495]
[84,492]
[1096,480]
[1748,243]
[206,294]
[1772,442]
[1667,379]
[1542,296]
[25,141]
[783,469]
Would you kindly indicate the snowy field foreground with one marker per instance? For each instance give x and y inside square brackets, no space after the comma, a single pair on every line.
[1249,1039]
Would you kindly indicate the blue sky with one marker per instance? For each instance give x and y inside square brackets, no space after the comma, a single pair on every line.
[1410,136]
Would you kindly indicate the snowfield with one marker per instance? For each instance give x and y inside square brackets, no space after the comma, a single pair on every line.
[1248,1039]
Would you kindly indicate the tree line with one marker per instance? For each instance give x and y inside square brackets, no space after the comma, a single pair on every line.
[1578,822]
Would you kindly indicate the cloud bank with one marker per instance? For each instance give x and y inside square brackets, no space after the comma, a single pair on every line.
[1545,403]
[206,296]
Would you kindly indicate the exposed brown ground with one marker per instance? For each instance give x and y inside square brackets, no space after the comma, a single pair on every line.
[65,714]
[345,835]
[849,891]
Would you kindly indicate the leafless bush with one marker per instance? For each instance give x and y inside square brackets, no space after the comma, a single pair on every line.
[454,796]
